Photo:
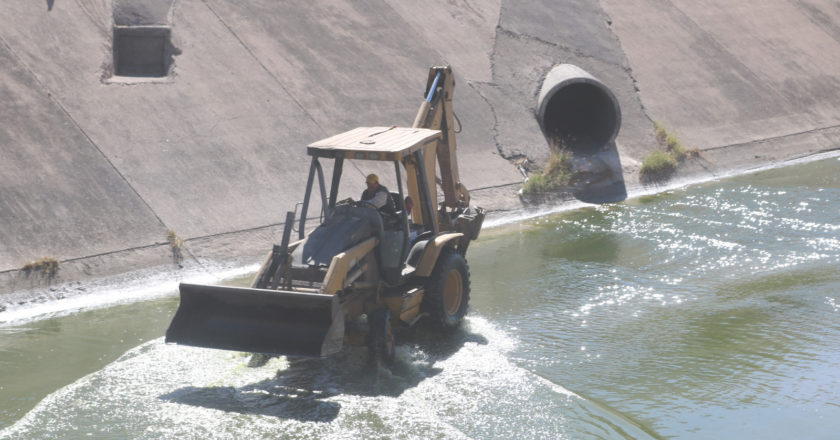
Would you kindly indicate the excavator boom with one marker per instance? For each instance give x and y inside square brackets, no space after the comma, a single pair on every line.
[436,113]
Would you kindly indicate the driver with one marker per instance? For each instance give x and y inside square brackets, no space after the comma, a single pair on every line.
[377,195]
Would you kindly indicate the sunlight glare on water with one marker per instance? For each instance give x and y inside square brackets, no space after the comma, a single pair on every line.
[689,311]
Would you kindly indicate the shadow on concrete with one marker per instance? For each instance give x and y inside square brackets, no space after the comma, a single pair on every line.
[299,391]
[50,4]
[599,176]
[657,178]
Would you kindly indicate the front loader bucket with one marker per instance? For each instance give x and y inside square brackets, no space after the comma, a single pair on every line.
[258,321]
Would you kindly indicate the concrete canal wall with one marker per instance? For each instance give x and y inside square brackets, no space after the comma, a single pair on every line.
[123,120]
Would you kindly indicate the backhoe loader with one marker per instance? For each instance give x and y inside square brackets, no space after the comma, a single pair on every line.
[361,273]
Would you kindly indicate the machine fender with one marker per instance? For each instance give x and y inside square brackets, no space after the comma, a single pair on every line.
[432,252]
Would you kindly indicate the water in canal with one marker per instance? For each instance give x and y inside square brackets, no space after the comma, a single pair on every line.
[706,312]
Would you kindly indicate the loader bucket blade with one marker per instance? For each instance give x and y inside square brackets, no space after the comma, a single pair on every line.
[258,321]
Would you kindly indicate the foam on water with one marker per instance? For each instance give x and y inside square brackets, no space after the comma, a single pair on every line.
[139,286]
[496,220]
[467,389]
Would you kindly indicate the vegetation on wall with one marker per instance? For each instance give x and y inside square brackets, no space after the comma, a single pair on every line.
[661,164]
[175,244]
[556,175]
[46,266]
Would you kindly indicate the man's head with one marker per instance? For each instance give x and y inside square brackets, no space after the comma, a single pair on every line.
[372,182]
[408,204]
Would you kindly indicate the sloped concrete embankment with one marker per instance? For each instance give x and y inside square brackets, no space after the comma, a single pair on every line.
[100,167]
[96,168]
[748,84]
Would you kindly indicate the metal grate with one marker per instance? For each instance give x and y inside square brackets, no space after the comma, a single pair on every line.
[142,51]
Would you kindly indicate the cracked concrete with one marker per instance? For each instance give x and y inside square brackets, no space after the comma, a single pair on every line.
[94,170]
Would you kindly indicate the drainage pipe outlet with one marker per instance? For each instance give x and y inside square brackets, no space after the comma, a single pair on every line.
[576,111]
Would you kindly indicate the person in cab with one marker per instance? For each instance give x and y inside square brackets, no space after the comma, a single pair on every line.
[378,195]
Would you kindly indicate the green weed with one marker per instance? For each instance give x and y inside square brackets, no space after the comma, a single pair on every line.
[658,164]
[556,175]
[661,164]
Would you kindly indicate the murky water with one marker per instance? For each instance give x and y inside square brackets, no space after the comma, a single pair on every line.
[708,312]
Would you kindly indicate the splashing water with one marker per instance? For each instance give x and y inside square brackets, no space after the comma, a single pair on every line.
[704,312]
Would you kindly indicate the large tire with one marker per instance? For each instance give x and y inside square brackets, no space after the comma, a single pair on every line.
[380,339]
[447,294]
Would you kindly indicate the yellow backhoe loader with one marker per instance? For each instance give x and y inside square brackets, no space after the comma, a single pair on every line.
[361,272]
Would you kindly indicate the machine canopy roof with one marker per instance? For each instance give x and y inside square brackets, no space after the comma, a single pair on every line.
[374,143]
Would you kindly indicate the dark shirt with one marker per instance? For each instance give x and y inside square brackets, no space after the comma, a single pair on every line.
[388,207]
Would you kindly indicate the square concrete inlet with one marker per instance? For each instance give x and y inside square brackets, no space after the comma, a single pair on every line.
[142,51]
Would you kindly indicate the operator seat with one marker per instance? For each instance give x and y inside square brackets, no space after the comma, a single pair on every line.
[348,226]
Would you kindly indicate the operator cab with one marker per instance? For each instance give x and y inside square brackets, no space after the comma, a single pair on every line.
[347,222]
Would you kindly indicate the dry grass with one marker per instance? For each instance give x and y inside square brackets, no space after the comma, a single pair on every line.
[661,133]
[175,244]
[46,266]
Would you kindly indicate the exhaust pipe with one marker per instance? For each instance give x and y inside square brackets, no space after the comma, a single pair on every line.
[576,111]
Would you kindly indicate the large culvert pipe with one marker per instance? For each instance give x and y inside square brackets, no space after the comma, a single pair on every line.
[577,111]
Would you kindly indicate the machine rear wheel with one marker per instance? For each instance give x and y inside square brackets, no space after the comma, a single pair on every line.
[448,290]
